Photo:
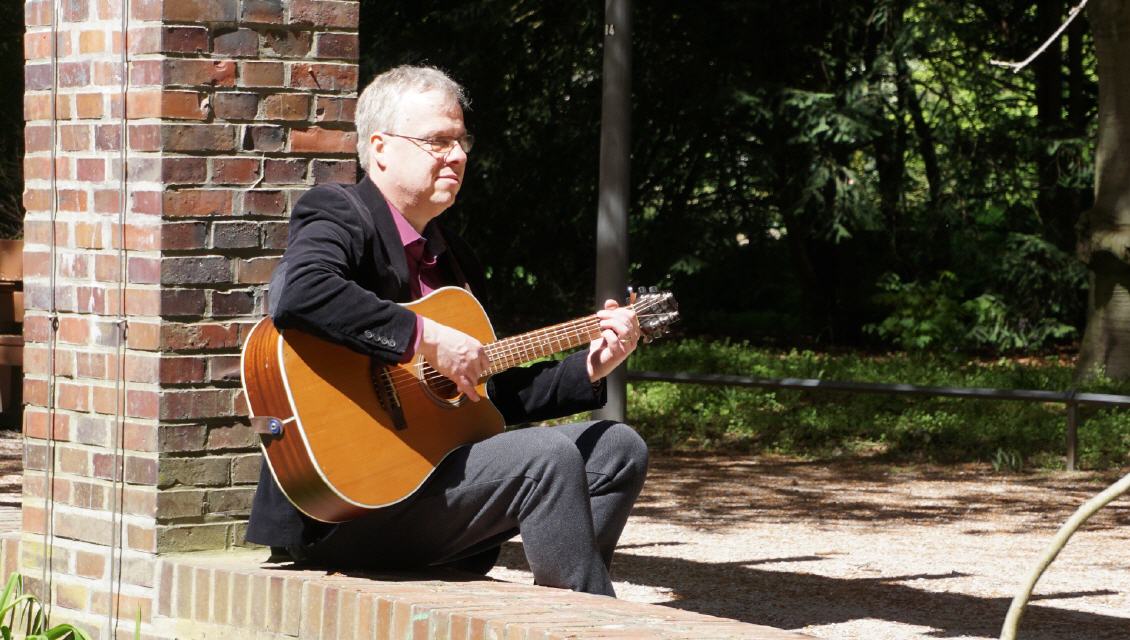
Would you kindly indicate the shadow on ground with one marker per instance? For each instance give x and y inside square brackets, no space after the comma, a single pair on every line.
[797,600]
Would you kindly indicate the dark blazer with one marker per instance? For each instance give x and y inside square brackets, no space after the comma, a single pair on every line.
[341,277]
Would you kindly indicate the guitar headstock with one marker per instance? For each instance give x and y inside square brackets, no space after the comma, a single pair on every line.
[656,310]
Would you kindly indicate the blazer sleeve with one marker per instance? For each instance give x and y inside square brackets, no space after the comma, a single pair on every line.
[316,285]
[546,390]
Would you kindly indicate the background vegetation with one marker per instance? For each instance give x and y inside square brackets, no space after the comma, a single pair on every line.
[819,182]
[815,172]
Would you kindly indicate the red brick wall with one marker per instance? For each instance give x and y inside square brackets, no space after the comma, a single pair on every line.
[234,108]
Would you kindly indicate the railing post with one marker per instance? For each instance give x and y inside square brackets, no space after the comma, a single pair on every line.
[1072,430]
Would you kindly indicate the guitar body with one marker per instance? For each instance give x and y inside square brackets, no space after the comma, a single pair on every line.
[358,435]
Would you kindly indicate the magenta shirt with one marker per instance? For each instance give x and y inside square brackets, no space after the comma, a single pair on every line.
[424,274]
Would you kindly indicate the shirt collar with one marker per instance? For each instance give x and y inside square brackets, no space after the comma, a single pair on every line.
[431,238]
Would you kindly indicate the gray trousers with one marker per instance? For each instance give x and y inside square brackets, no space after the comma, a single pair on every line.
[568,490]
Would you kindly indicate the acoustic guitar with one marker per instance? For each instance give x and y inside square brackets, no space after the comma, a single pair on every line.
[344,433]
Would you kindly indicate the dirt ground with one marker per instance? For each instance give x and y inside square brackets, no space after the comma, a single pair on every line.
[866,550]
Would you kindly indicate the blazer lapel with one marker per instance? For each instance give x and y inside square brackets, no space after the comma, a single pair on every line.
[386,233]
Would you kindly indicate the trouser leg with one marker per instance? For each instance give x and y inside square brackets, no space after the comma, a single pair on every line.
[534,481]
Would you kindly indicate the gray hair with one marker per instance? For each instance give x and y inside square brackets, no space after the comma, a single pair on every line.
[378,108]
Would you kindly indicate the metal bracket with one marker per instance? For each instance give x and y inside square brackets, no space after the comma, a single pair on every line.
[267,425]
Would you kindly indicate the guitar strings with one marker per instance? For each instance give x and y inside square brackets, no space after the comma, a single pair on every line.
[517,349]
[509,350]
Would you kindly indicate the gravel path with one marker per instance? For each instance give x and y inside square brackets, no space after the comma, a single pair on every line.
[854,550]
[848,549]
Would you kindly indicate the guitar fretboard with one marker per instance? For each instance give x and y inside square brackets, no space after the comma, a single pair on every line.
[527,347]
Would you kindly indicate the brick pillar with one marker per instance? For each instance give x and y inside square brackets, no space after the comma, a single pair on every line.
[234,108]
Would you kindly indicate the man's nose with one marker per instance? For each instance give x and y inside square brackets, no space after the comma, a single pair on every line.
[456,156]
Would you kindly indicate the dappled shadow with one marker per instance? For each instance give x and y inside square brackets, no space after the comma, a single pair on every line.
[790,600]
[747,489]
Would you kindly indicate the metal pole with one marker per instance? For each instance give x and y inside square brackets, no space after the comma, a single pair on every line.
[1072,432]
[615,165]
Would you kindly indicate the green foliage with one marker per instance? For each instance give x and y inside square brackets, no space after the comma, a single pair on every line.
[923,315]
[1008,434]
[786,158]
[22,615]
[1034,299]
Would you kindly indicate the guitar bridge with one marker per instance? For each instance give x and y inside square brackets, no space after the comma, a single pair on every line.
[381,378]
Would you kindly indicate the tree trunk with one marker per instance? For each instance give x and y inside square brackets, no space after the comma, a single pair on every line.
[1104,230]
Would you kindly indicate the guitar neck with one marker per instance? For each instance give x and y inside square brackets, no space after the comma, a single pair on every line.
[527,347]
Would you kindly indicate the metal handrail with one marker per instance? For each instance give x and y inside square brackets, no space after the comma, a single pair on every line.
[1072,399]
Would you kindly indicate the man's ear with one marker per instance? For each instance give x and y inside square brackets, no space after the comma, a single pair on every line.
[377,147]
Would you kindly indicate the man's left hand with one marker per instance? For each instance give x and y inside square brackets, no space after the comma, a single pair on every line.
[619,334]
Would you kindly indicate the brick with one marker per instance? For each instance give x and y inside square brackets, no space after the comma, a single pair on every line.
[325,13]
[282,171]
[312,596]
[187,404]
[233,502]
[342,171]
[196,11]
[235,235]
[198,202]
[236,106]
[198,137]
[196,72]
[287,43]
[92,42]
[180,503]
[93,431]
[264,138]
[335,110]
[287,106]
[76,74]
[140,501]
[75,10]
[183,235]
[233,436]
[336,45]
[183,170]
[241,43]
[263,203]
[221,596]
[184,39]
[143,40]
[182,369]
[236,170]
[209,471]
[90,565]
[241,597]
[262,11]
[261,74]
[179,438]
[255,270]
[141,470]
[199,336]
[232,303]
[225,368]
[182,302]
[245,468]
[275,235]
[183,581]
[145,73]
[319,140]
[195,270]
[324,76]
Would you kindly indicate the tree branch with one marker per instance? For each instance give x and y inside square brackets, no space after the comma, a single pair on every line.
[1017,66]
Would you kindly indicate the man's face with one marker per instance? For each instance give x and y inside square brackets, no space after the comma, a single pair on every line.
[422,184]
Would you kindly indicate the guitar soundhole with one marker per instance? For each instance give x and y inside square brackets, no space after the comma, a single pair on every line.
[440,386]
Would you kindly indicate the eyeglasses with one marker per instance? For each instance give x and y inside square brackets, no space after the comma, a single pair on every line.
[440,146]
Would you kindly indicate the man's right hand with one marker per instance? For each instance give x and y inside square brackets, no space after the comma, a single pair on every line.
[454,354]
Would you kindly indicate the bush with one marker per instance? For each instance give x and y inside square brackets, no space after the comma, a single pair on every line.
[1013,433]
